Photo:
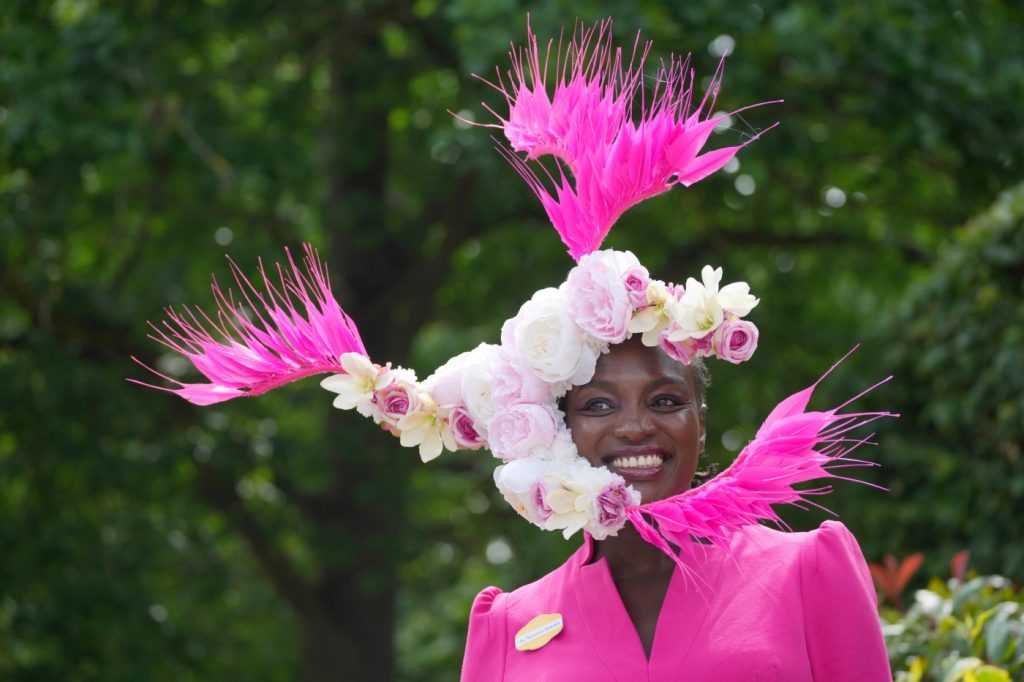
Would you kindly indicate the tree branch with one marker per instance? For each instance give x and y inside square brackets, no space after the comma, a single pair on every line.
[219,492]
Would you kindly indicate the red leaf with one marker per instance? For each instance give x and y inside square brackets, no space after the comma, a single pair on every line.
[958,565]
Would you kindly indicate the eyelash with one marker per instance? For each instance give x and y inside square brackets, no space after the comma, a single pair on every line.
[590,406]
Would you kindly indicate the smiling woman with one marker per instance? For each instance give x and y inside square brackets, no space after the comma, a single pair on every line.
[692,587]
[593,401]
[771,606]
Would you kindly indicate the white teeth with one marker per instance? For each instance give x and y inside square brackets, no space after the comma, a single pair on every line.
[641,462]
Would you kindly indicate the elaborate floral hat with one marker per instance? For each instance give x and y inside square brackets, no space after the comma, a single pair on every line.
[617,142]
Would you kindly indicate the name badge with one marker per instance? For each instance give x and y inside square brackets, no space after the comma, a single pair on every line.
[539,632]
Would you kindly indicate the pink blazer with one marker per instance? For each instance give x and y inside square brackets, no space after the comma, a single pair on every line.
[777,606]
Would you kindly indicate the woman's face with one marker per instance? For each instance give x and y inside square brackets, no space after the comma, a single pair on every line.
[640,416]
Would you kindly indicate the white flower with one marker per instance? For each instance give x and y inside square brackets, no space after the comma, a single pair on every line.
[521,483]
[427,428]
[554,495]
[569,498]
[652,320]
[356,387]
[735,298]
[446,383]
[699,312]
[477,385]
[548,341]
[571,492]
[563,448]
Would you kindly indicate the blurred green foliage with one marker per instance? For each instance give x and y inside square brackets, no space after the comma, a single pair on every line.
[959,632]
[956,346]
[142,538]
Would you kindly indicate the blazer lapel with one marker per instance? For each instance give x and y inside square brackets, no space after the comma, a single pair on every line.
[607,623]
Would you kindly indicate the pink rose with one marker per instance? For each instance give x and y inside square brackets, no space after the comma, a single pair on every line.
[541,509]
[464,430]
[735,341]
[522,430]
[636,280]
[611,505]
[598,299]
[685,351]
[395,401]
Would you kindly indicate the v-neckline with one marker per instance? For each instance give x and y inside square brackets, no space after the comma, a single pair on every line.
[615,637]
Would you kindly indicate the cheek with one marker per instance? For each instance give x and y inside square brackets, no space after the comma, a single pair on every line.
[584,438]
[684,428]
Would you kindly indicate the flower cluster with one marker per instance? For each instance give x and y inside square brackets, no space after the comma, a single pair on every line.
[505,397]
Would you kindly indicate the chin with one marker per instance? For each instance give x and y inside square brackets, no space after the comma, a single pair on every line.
[651,491]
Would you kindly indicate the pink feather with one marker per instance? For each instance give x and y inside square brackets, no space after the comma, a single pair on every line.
[793,446]
[587,123]
[288,332]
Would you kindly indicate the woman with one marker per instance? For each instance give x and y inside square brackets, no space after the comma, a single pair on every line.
[671,582]
[770,606]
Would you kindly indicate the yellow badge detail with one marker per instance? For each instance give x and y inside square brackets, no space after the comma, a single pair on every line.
[539,632]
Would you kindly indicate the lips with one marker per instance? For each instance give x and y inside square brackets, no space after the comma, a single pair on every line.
[637,465]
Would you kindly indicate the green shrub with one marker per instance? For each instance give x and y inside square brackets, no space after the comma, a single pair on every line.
[969,631]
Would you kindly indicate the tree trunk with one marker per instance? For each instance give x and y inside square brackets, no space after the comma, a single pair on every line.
[350,635]
[354,643]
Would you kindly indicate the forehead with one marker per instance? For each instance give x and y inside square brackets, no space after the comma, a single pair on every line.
[633,361]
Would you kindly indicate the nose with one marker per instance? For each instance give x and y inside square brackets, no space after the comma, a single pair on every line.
[634,425]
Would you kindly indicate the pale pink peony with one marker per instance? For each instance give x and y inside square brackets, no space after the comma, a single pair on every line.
[522,430]
[735,341]
[446,383]
[511,383]
[464,430]
[598,299]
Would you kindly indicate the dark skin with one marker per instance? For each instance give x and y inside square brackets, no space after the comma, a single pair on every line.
[642,415]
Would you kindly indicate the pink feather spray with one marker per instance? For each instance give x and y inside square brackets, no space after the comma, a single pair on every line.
[289,331]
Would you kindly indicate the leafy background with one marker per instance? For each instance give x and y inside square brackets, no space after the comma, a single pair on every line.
[273,539]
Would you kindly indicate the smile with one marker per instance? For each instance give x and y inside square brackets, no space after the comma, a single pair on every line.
[637,467]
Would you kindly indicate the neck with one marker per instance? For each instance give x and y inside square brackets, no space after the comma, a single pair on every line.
[630,556]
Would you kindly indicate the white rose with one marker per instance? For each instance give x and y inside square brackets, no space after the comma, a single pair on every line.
[445,384]
[471,379]
[521,483]
[547,339]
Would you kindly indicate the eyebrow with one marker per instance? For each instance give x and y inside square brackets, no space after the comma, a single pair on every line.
[608,385]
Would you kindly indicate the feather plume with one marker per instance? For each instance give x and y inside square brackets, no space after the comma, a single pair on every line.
[608,158]
[792,447]
[290,330]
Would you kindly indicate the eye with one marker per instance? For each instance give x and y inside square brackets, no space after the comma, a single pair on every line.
[668,401]
[597,405]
